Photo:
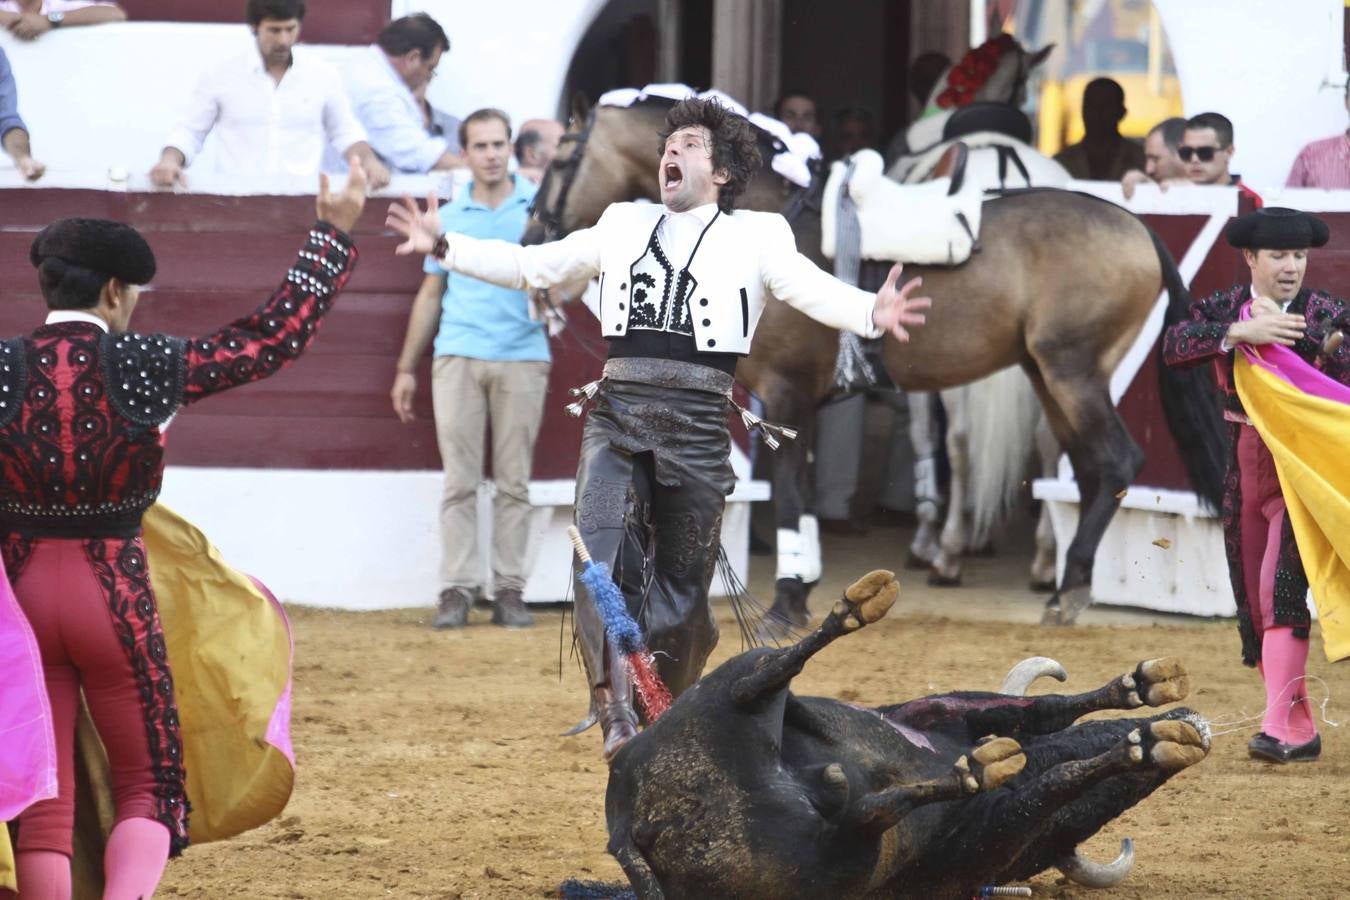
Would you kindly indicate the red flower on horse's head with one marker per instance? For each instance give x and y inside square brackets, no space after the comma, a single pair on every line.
[970,73]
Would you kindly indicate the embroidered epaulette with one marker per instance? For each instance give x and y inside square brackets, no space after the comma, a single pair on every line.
[145,375]
[13,377]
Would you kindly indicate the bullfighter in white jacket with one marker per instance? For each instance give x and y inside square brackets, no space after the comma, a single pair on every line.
[682,286]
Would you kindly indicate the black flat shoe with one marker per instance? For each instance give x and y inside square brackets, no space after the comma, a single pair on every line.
[1265,747]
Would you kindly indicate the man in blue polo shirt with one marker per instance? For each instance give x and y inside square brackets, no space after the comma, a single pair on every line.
[491,361]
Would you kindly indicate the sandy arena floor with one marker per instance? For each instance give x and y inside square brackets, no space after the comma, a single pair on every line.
[431,764]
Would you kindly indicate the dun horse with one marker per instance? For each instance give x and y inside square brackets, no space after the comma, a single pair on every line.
[1061,287]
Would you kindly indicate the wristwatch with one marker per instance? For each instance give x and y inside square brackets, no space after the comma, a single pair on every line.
[56,19]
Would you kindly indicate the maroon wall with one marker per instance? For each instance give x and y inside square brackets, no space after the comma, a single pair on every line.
[326,21]
[221,256]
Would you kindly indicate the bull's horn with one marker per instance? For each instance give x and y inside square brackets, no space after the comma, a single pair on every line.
[1020,676]
[1091,874]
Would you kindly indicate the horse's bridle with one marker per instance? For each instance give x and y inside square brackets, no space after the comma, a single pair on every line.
[551,219]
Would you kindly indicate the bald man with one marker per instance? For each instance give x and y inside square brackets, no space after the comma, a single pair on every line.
[536,145]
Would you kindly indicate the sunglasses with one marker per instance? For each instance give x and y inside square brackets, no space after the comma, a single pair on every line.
[1204,154]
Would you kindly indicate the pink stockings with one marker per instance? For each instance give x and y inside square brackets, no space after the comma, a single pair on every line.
[133,862]
[1284,662]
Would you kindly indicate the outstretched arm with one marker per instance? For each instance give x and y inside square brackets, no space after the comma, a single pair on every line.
[575,258]
[276,333]
[797,281]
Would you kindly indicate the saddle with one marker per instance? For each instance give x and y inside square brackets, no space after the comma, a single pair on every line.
[934,223]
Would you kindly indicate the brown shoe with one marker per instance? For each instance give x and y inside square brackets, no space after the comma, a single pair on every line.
[453,609]
[509,610]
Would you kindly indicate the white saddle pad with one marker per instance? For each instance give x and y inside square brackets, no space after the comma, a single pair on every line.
[902,223]
[983,165]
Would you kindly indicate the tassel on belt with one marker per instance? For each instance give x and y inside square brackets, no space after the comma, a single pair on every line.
[669,373]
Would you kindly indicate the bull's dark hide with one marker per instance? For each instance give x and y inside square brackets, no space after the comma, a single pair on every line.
[745,790]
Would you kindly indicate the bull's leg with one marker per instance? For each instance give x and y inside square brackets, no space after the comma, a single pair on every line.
[1154,682]
[923,434]
[866,601]
[985,768]
[946,569]
[640,874]
[1072,800]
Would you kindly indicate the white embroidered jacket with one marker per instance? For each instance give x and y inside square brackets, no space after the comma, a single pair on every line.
[742,259]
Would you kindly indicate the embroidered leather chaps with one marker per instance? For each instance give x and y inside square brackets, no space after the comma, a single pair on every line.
[652,484]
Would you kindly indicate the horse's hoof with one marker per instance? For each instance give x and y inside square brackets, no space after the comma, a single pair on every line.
[937,579]
[916,563]
[773,629]
[1042,587]
[1050,617]
[1072,602]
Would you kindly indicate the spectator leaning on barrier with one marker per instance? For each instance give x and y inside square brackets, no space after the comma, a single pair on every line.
[1326,163]
[387,86]
[13,132]
[29,20]
[1161,163]
[1206,150]
[271,110]
[536,145]
[491,362]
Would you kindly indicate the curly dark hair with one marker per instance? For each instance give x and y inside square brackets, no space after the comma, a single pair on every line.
[734,149]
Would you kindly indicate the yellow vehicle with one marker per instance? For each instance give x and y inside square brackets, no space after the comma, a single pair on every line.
[1118,39]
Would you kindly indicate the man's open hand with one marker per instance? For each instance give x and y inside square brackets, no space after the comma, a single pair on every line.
[895,308]
[421,228]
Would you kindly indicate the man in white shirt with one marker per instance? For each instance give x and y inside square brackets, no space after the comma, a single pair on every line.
[387,87]
[682,287]
[29,20]
[272,111]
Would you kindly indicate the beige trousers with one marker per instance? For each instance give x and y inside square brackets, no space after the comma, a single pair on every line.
[466,394]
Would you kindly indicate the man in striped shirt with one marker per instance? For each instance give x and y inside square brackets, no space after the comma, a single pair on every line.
[1324,164]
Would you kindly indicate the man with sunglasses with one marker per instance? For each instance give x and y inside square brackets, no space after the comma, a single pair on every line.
[1206,150]
[1266,570]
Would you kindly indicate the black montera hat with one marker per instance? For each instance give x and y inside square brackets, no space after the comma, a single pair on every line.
[1277,228]
[99,244]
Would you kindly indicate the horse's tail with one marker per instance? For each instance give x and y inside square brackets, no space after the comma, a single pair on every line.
[1003,414]
[1190,403]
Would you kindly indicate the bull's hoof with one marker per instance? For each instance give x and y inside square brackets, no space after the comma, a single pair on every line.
[868,599]
[990,765]
[1176,744]
[1157,682]
[937,579]
[916,563]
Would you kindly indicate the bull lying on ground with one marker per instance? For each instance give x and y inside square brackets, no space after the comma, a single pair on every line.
[746,790]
